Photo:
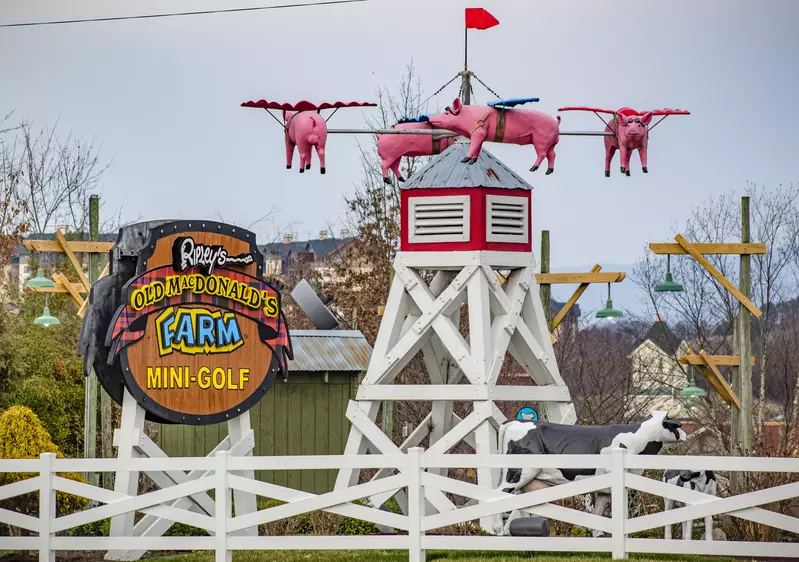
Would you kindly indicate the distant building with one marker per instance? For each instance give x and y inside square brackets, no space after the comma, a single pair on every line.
[657,375]
[290,257]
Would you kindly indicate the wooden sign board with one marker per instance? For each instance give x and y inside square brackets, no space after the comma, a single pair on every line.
[200,335]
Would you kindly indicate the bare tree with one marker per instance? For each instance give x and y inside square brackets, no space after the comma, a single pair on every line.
[12,206]
[705,312]
[56,176]
[776,223]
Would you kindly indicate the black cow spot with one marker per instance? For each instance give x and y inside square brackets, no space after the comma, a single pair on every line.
[514,475]
[652,448]
[693,485]
[709,475]
[572,473]
[622,446]
[673,426]
[508,490]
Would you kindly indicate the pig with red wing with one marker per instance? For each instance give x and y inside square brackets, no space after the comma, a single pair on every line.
[630,132]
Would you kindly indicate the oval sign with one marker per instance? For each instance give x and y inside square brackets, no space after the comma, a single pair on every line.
[201,336]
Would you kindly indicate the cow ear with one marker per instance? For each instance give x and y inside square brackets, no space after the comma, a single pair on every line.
[456,105]
[646,118]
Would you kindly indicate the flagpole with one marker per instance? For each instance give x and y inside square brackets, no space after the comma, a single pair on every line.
[465,84]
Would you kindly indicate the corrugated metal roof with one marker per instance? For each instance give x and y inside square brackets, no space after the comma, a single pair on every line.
[329,350]
[448,171]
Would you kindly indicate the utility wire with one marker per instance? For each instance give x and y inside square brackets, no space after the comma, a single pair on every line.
[175,14]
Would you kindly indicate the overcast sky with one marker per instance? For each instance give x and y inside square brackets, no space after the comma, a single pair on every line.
[162,96]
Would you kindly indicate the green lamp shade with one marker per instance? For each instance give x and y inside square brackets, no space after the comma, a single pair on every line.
[40,281]
[609,311]
[692,391]
[668,286]
[46,319]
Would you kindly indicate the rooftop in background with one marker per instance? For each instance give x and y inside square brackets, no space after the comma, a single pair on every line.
[447,170]
[329,350]
[320,247]
[662,336]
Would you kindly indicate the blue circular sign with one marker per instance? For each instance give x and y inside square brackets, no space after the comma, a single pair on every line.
[527,414]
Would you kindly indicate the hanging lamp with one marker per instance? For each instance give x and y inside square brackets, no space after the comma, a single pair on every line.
[609,311]
[668,285]
[692,391]
[40,281]
[46,319]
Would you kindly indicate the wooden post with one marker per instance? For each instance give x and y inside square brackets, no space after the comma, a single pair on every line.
[546,288]
[745,350]
[90,407]
[735,434]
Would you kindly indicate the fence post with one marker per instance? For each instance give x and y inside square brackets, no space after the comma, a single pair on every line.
[618,504]
[416,505]
[223,505]
[46,507]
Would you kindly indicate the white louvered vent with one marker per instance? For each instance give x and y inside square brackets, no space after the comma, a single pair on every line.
[507,219]
[438,219]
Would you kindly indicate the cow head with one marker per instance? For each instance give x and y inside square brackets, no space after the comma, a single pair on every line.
[664,428]
[632,129]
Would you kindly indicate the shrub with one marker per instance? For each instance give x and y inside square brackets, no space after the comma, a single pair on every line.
[94,529]
[22,436]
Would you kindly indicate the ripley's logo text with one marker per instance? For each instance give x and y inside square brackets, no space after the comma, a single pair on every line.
[186,253]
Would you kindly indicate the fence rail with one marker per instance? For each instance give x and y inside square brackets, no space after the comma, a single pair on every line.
[218,474]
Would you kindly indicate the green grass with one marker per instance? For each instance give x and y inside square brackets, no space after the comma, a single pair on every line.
[402,556]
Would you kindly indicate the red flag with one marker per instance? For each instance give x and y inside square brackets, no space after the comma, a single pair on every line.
[479,18]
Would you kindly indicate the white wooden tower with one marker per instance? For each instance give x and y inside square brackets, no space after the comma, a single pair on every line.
[461,226]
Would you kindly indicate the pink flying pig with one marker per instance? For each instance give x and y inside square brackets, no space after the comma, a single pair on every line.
[391,148]
[501,124]
[630,130]
[304,127]
[304,130]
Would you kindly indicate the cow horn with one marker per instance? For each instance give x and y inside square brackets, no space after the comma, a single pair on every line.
[673,414]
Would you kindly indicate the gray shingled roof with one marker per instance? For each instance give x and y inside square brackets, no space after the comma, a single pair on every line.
[447,171]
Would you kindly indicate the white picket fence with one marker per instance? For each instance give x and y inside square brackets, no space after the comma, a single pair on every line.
[217,474]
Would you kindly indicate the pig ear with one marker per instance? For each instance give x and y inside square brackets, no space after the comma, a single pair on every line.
[456,105]
[621,118]
[646,118]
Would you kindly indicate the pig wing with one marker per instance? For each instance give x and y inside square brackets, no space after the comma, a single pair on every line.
[584,108]
[305,105]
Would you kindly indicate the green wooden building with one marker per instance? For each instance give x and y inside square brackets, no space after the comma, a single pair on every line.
[302,415]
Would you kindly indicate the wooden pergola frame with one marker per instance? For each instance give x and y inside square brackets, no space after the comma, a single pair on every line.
[707,364]
[699,251]
[70,248]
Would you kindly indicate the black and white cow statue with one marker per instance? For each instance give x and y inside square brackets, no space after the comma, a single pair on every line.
[543,438]
[703,481]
